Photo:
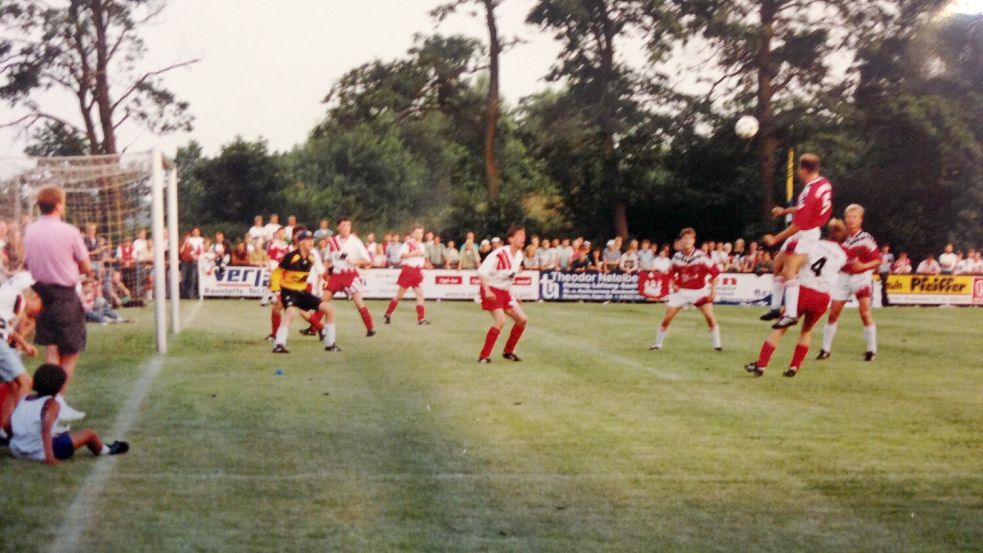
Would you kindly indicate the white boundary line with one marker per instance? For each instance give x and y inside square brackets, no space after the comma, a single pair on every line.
[80,511]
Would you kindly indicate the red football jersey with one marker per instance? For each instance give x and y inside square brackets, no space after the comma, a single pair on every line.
[815,205]
[860,248]
[691,271]
[277,250]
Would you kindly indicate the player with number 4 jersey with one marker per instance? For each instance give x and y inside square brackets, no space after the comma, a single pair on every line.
[813,210]
[825,261]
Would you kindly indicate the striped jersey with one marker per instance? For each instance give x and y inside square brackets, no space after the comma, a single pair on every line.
[412,246]
[691,271]
[292,272]
[346,253]
[501,266]
[860,248]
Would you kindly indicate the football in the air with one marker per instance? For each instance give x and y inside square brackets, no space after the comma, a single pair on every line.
[746,127]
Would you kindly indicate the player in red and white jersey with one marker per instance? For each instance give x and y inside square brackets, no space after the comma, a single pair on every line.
[347,256]
[856,279]
[824,263]
[19,304]
[497,272]
[693,279]
[813,210]
[413,256]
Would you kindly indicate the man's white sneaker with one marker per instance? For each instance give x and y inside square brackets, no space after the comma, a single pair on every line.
[69,413]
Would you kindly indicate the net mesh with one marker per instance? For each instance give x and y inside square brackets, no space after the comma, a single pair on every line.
[111,193]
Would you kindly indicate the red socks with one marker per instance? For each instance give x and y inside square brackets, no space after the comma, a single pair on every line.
[420,312]
[765,356]
[315,320]
[366,317]
[798,356]
[275,319]
[490,339]
[392,306]
[514,338]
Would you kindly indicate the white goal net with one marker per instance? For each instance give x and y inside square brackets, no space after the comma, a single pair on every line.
[113,200]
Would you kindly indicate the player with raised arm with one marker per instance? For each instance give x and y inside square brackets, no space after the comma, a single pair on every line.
[348,255]
[855,279]
[413,256]
[289,280]
[812,211]
[826,259]
[496,273]
[693,279]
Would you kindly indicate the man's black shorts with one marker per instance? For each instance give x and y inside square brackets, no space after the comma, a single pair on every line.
[62,319]
[301,300]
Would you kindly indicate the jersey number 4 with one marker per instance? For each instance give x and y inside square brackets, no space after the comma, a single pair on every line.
[817,267]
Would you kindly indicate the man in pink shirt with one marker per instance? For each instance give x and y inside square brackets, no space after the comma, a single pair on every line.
[56,256]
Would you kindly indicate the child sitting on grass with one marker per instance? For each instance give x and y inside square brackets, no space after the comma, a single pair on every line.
[33,421]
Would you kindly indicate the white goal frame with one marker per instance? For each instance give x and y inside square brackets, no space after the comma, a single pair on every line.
[164,168]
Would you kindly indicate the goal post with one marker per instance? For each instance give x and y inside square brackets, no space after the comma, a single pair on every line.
[130,203]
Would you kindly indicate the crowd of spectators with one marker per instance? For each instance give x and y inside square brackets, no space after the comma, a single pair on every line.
[542,253]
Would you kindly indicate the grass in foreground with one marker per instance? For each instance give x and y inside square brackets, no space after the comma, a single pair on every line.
[593,443]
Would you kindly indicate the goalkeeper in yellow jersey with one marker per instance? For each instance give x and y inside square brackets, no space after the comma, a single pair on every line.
[289,280]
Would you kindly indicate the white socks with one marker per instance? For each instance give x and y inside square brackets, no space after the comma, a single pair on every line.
[792,298]
[281,335]
[329,335]
[715,336]
[660,337]
[777,292]
[104,450]
[829,331]
[870,334]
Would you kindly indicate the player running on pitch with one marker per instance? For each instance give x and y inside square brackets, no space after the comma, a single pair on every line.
[689,274]
[348,255]
[856,279]
[289,280]
[275,250]
[813,210]
[497,272]
[825,260]
[413,255]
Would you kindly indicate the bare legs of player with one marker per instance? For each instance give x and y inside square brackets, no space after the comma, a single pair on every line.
[498,323]
[866,316]
[18,390]
[420,304]
[671,312]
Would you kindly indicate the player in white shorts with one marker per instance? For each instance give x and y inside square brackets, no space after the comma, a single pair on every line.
[693,278]
[799,239]
[855,280]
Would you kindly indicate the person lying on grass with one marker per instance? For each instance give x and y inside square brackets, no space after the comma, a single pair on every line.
[33,424]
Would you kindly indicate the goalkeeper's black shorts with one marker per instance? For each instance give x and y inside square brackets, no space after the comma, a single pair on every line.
[301,300]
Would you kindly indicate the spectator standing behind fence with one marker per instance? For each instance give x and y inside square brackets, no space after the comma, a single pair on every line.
[965,264]
[452,257]
[947,261]
[902,266]
[323,231]
[468,258]
[91,240]
[611,256]
[57,258]
[929,266]
[270,229]
[628,263]
[546,255]
[435,253]
[258,257]
[258,230]
[393,246]
[530,258]
[240,255]
[191,249]
[646,255]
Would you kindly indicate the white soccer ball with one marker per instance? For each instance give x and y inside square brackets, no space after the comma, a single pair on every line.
[746,127]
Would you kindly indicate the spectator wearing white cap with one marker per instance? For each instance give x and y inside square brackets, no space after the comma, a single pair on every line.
[611,256]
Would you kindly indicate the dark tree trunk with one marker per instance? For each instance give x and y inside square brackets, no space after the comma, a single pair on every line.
[767,142]
[610,172]
[493,103]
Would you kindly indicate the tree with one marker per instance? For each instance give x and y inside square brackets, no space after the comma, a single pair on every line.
[493,99]
[774,52]
[85,48]
[604,91]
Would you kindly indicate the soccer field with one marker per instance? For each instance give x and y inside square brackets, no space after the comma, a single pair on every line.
[402,442]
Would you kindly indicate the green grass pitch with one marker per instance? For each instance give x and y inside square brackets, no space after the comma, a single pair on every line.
[592,443]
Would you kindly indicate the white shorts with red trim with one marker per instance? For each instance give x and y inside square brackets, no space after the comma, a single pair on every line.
[687,296]
[847,286]
[802,242]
